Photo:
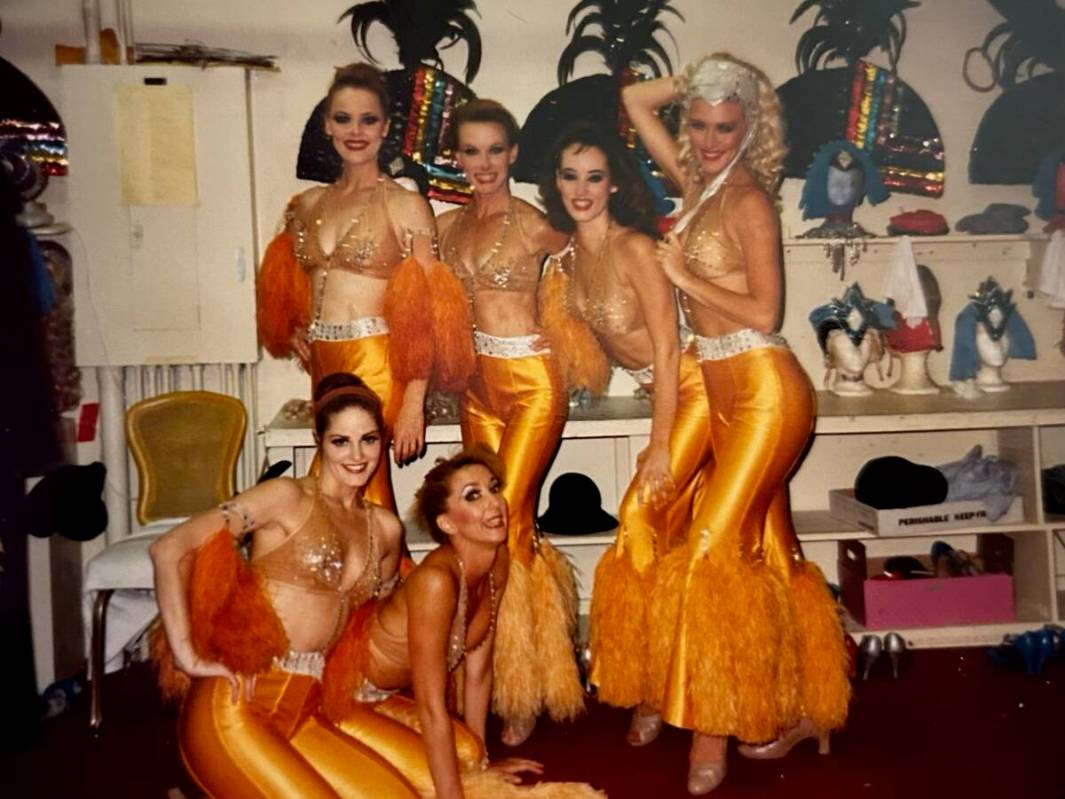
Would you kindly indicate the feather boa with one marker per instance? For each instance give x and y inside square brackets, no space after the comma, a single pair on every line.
[455,358]
[409,314]
[284,297]
[580,358]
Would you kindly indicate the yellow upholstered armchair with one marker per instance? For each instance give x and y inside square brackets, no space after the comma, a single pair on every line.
[185,445]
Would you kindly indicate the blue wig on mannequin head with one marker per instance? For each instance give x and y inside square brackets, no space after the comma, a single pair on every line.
[1044,187]
[815,202]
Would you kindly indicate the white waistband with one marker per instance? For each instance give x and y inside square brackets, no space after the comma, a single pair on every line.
[717,348]
[506,346]
[645,376]
[309,663]
[347,331]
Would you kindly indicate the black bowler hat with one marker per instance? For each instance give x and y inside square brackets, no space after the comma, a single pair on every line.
[67,501]
[574,507]
[894,482]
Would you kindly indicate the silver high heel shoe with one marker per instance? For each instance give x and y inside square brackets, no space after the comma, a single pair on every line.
[895,646]
[870,646]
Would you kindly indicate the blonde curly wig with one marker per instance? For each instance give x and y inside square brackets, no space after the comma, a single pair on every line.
[764,154]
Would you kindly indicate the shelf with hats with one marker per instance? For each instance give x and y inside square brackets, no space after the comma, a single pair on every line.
[953,246]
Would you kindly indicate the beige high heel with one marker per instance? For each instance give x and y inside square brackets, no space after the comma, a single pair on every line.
[705,777]
[643,728]
[783,744]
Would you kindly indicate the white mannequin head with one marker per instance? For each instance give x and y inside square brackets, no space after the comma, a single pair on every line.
[993,354]
[848,362]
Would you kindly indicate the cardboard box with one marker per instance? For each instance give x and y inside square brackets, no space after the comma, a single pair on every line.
[917,520]
[885,604]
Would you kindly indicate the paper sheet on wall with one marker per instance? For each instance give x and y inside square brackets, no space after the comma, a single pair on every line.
[156,145]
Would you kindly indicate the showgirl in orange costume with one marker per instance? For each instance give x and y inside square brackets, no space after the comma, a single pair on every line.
[254,637]
[516,406]
[436,633]
[745,637]
[615,286]
[345,285]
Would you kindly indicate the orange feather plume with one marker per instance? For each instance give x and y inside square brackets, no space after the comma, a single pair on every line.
[408,312]
[455,358]
[573,344]
[284,296]
[346,663]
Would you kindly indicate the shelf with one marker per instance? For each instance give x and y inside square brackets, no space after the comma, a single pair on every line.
[951,247]
[1026,404]
[943,637]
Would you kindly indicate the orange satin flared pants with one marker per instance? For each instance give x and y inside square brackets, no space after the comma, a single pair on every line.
[277,746]
[368,359]
[517,408]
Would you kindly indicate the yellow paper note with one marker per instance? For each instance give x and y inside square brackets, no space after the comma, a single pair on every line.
[156,145]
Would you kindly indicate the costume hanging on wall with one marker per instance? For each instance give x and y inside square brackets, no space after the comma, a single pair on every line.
[1027,120]
[627,43]
[745,637]
[516,405]
[421,334]
[995,311]
[864,104]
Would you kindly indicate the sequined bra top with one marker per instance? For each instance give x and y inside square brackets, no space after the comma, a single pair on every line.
[505,266]
[314,556]
[367,244]
[608,307]
[709,251]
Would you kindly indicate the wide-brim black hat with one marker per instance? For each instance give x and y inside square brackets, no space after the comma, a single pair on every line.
[67,501]
[575,507]
[894,482]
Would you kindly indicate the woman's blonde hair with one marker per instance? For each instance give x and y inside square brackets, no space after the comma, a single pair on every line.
[764,154]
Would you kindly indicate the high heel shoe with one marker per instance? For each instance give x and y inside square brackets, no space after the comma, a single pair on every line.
[643,728]
[870,646]
[704,777]
[785,743]
[895,646]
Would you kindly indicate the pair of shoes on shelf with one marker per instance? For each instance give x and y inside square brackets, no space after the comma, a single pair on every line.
[871,646]
[783,744]
[517,731]
[643,728]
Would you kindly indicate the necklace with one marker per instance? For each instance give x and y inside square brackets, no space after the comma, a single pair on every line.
[457,650]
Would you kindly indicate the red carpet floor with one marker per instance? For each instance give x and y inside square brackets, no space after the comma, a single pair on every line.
[952,725]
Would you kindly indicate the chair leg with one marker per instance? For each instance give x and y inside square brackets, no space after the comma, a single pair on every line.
[96,660]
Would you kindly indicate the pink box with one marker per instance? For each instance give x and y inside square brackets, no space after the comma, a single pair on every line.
[921,602]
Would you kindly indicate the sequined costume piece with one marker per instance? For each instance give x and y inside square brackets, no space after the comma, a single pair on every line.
[745,636]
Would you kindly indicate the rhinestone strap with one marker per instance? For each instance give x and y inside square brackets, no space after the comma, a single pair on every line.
[347,331]
[717,348]
[645,376]
[368,692]
[506,346]
[309,663]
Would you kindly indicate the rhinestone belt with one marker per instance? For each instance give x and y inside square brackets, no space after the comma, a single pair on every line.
[347,331]
[717,348]
[309,663]
[506,346]
[645,376]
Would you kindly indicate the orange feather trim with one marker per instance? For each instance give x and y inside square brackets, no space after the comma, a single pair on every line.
[173,682]
[455,357]
[741,651]
[284,296]
[346,664]
[573,344]
[231,620]
[554,603]
[825,689]
[409,314]
[619,629]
